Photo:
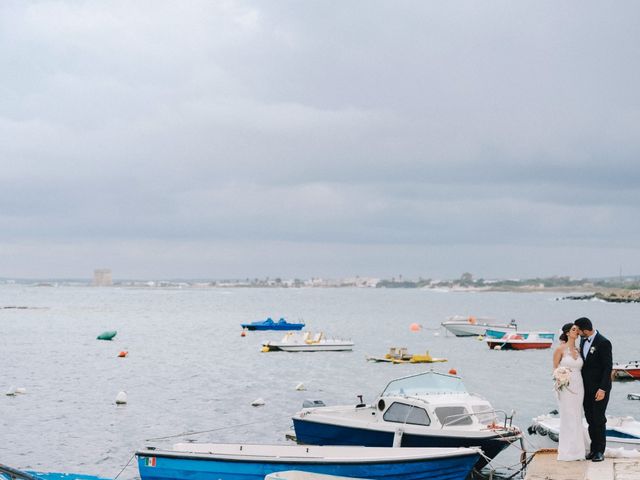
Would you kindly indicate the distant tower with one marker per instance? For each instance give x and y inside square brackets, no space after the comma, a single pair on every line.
[102,277]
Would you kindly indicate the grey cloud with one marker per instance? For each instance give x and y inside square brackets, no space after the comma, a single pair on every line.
[368,125]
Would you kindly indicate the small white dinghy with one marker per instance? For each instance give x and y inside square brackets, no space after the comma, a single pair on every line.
[621,431]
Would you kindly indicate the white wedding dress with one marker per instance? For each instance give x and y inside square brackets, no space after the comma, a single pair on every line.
[573,438]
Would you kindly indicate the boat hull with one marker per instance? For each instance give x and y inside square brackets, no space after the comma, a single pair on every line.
[314,348]
[316,433]
[275,326]
[176,466]
[518,346]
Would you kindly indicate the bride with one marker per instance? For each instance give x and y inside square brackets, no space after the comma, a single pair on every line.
[571,445]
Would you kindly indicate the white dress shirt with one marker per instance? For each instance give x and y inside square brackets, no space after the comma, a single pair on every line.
[587,344]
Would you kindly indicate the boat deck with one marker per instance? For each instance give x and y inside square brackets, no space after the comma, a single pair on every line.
[544,466]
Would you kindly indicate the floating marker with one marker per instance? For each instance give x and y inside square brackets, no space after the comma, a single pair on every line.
[243,333]
[415,327]
[21,390]
[300,387]
[258,402]
[123,354]
[453,371]
[108,335]
[121,398]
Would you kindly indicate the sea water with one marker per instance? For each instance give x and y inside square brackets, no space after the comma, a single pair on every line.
[190,370]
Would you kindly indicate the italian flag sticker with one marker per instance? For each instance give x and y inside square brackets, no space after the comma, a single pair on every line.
[150,462]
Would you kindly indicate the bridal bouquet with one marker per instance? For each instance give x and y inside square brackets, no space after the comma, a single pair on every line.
[561,377]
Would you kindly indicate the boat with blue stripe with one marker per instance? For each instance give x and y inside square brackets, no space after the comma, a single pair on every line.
[206,461]
[496,333]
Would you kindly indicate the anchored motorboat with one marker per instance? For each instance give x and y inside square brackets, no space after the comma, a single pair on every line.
[626,371]
[473,327]
[514,341]
[429,409]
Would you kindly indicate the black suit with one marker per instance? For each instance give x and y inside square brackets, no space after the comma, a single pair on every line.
[596,374]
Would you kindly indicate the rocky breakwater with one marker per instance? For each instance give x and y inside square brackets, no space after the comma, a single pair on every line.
[616,296]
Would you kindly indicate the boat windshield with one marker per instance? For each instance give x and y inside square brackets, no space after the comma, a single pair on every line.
[425,384]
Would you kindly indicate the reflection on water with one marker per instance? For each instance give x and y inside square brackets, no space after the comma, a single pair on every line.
[189,369]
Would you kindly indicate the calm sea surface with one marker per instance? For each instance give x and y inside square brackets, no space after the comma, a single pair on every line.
[190,370]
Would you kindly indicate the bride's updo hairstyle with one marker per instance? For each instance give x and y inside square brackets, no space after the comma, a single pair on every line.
[565,330]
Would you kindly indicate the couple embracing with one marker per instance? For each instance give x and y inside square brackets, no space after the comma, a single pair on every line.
[583,381]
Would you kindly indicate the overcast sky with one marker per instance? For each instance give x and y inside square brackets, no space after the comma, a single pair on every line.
[203,139]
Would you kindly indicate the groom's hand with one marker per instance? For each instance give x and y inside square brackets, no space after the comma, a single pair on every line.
[600,395]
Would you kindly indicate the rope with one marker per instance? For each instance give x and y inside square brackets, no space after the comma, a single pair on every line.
[114,478]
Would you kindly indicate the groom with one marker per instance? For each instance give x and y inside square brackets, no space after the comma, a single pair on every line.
[596,375]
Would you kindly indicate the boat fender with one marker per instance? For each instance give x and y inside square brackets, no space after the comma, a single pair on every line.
[397,438]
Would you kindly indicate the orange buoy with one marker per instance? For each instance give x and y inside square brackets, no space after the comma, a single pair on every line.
[243,333]
[123,354]
[415,327]
[453,371]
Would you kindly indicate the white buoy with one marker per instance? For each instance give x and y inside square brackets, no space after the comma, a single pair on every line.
[12,391]
[21,390]
[300,387]
[258,402]
[121,398]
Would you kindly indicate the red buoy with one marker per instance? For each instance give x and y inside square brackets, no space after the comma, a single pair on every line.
[453,371]
[243,334]
[123,354]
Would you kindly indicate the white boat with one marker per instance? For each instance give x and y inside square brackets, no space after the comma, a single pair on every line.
[473,327]
[429,409]
[621,431]
[308,342]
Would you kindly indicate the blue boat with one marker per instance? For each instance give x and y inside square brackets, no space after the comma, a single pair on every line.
[10,473]
[204,461]
[269,324]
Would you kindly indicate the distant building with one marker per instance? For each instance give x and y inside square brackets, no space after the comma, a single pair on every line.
[102,277]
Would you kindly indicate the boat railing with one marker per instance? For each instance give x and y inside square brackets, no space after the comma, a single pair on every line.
[451,420]
[10,473]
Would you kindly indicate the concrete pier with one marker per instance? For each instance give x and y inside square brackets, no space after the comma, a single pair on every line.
[544,466]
